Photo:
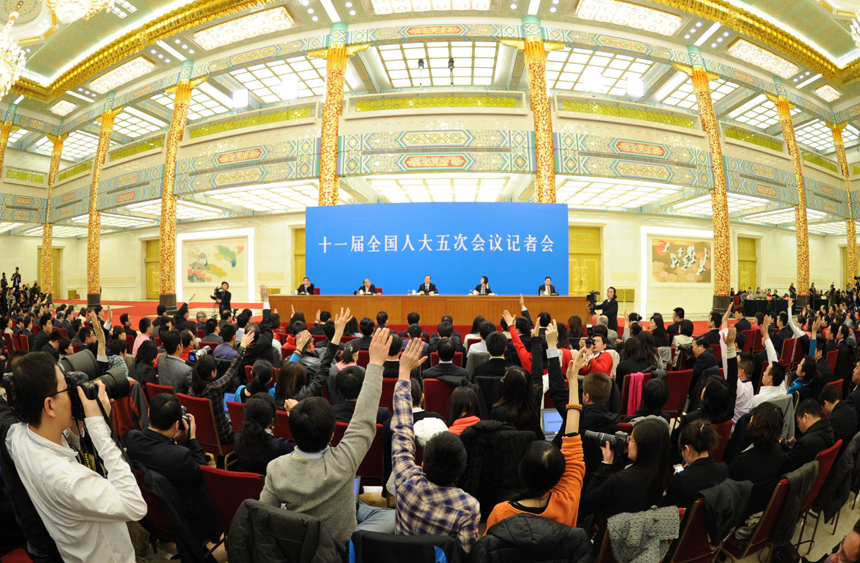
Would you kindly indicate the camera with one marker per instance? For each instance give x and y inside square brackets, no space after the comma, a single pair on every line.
[192,357]
[186,420]
[589,342]
[591,299]
[618,441]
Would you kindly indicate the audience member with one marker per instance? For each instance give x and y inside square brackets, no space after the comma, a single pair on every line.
[446,367]
[817,436]
[497,365]
[700,470]
[142,370]
[145,335]
[391,367]
[842,418]
[596,389]
[464,409]
[255,446]
[761,463]
[225,350]
[655,394]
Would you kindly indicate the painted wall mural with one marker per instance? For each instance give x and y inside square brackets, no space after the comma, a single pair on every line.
[216,260]
[681,261]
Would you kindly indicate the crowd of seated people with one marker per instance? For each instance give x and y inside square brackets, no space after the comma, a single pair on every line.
[329,372]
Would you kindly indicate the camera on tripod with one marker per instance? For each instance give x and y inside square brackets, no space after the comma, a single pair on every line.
[591,299]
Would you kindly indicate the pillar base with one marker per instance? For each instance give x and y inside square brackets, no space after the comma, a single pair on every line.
[721,303]
[94,299]
[169,301]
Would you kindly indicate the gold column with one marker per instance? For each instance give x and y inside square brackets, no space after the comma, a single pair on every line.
[335,69]
[95,223]
[783,108]
[167,258]
[5,130]
[836,129]
[48,227]
[535,57]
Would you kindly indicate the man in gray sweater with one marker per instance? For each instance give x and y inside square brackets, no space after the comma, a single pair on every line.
[317,479]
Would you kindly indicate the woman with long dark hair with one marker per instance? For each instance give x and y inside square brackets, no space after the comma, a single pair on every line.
[464,410]
[255,444]
[807,384]
[649,349]
[142,370]
[637,487]
[701,471]
[577,330]
[476,326]
[658,329]
[761,463]
[519,404]
[632,359]
[261,375]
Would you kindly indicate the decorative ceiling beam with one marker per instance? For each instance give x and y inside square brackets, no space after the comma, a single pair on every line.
[660,205]
[776,206]
[229,209]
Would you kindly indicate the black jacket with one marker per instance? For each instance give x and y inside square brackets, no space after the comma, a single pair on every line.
[261,349]
[843,420]
[609,493]
[487,291]
[542,290]
[371,290]
[424,291]
[743,325]
[853,400]
[610,310]
[596,418]
[761,467]
[713,336]
[40,340]
[344,411]
[525,537]
[309,291]
[143,373]
[458,346]
[226,298]
[496,367]
[818,438]
[262,533]
[374,547]
[684,488]
[391,369]
[445,369]
[363,342]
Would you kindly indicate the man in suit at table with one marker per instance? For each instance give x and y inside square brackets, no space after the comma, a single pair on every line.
[446,367]
[307,288]
[547,288]
[366,288]
[428,288]
[740,321]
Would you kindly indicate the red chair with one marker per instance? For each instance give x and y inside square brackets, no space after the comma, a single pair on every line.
[363,358]
[11,345]
[625,386]
[316,291]
[345,339]
[387,398]
[156,521]
[64,332]
[758,342]
[36,329]
[129,342]
[825,459]
[693,545]
[23,342]
[458,359]
[470,341]
[229,489]
[272,381]
[724,430]
[749,336]
[838,385]
[787,354]
[153,389]
[237,414]
[370,469]
[157,341]
[379,291]
[679,385]
[718,353]
[207,435]
[625,427]
[282,425]
[437,394]
[76,348]
[832,356]
[201,333]
[760,538]
[20,555]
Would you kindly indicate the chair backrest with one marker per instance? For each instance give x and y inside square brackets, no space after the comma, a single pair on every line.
[374,546]
[379,291]
[458,359]
[237,414]
[76,348]
[207,434]
[838,385]
[129,342]
[470,341]
[363,358]
[434,359]
[724,430]
[625,427]
[23,342]
[229,489]
[693,545]
[679,385]
[370,470]
[718,353]
[386,399]
[825,459]
[156,520]
[437,394]
[282,425]
[318,337]
[749,336]
[787,351]
[64,332]
[10,344]
[770,517]
[625,391]
[201,333]
[316,291]
[758,341]
[832,356]
[153,389]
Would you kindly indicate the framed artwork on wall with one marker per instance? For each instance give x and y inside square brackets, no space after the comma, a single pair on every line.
[212,261]
[681,260]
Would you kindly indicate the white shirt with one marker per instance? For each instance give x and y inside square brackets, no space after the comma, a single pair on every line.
[547,290]
[478,347]
[83,512]
[768,393]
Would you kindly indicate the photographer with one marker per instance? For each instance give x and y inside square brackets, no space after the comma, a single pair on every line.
[610,308]
[83,512]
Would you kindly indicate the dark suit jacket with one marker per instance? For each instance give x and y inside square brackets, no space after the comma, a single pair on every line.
[610,310]
[434,346]
[344,411]
[317,329]
[226,301]
[309,291]
[391,369]
[552,290]
[713,336]
[405,335]
[442,369]
[487,291]
[131,332]
[818,438]
[456,337]
[853,400]
[742,325]
[673,329]
[494,367]
[372,289]
[843,420]
[424,291]
[40,340]
[261,349]
[685,486]
[50,350]
[364,342]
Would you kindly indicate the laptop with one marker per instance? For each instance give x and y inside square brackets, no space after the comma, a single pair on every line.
[551,422]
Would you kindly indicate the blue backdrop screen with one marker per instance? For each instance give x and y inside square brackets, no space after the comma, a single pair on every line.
[516,245]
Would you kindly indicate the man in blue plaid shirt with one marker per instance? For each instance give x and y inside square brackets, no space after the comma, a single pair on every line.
[428,501]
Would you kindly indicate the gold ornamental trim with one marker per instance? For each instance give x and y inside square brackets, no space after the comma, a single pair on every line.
[688,70]
[520,44]
[177,21]
[776,100]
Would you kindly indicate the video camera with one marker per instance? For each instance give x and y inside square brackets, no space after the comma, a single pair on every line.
[79,370]
[591,299]
[193,356]
[618,441]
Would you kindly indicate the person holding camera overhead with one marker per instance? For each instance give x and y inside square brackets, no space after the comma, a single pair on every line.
[610,308]
[83,513]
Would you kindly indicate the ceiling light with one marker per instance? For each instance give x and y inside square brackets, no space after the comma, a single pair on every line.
[75,94]
[160,56]
[348,4]
[698,24]
[762,58]
[310,10]
[782,216]
[670,85]
[702,205]
[692,30]
[513,6]
[385,7]
[315,18]
[177,41]
[828,93]
[63,108]
[11,55]
[719,39]
[555,1]
[552,9]
[635,86]
[170,50]
[687,36]
[330,10]
[245,27]
[122,74]
[184,46]
[534,7]
[167,60]
[352,12]
[18,99]
[152,51]
[809,81]
[713,45]
[630,15]
[725,34]
[191,51]
[241,98]
[592,79]
[290,87]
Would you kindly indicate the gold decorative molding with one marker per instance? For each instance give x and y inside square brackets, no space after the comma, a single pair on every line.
[357,48]
[688,70]
[520,44]
[177,21]
[775,100]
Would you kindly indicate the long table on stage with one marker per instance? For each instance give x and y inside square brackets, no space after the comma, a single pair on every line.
[464,308]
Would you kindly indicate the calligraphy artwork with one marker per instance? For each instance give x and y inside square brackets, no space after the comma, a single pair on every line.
[681,261]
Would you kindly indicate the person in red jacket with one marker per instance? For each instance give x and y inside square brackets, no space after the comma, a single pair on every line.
[601,361]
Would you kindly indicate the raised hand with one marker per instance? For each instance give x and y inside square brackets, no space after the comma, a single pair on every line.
[552,334]
[302,340]
[410,358]
[765,333]
[509,318]
[536,330]
[247,339]
[341,320]
[578,363]
[522,302]
[379,346]
[264,293]
[730,337]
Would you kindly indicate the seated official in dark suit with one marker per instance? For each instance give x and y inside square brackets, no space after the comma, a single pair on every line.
[366,288]
[157,449]
[446,367]
[445,331]
[497,365]
[483,288]
[349,383]
[365,326]
[413,319]
[740,321]
[547,288]
[427,288]
[307,288]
